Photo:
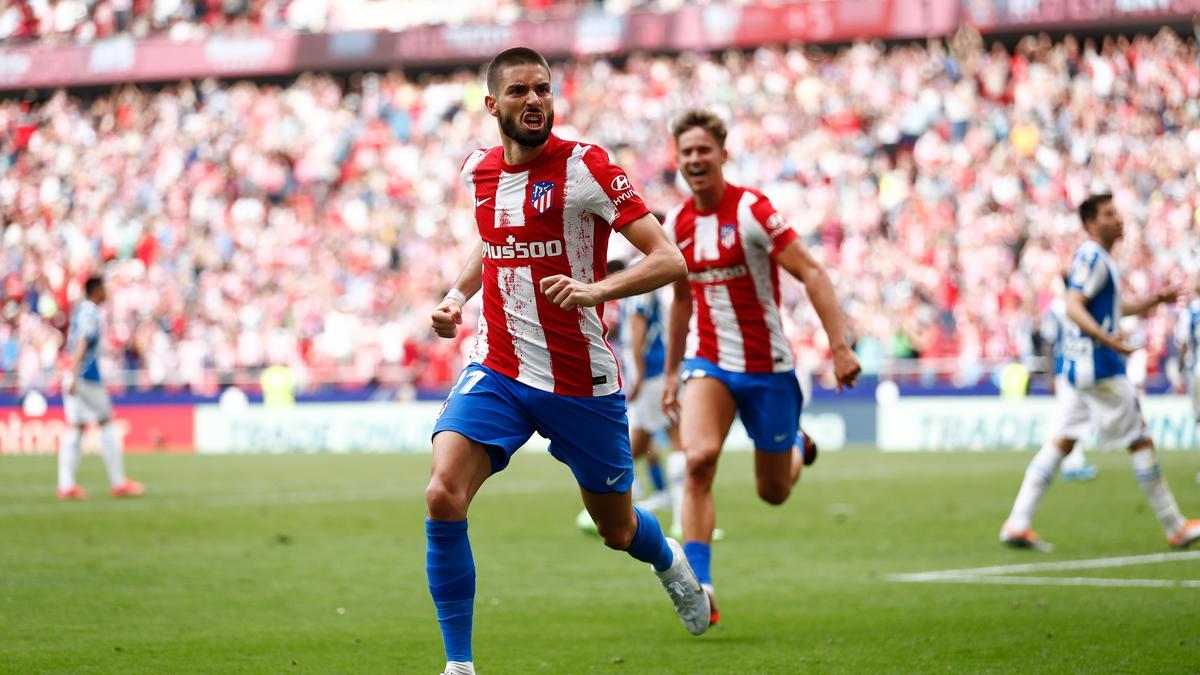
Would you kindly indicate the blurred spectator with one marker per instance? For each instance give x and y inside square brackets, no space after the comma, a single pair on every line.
[315,224]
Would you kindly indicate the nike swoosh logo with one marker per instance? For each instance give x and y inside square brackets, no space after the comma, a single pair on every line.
[780,437]
[614,479]
[481,202]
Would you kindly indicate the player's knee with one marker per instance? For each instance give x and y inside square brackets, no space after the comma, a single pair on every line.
[773,492]
[444,502]
[702,466]
[616,536]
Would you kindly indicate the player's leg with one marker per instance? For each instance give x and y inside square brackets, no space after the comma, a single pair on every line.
[1075,466]
[770,407]
[69,453]
[602,463]
[1114,403]
[1071,421]
[480,427]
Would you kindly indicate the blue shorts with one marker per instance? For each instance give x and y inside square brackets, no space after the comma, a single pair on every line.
[769,403]
[588,434]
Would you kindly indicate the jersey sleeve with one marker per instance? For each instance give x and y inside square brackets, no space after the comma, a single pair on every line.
[616,201]
[771,230]
[1088,274]
[466,172]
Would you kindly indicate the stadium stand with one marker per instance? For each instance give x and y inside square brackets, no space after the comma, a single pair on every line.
[315,222]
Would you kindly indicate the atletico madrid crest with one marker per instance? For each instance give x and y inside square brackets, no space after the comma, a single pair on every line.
[542,196]
[728,235]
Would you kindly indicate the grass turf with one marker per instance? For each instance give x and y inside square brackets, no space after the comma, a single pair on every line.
[314,564]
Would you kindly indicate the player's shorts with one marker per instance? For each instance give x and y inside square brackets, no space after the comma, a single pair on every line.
[89,405]
[588,434]
[646,411]
[1111,405]
[768,403]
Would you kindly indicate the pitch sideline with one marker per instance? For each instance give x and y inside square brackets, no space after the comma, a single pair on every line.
[1001,574]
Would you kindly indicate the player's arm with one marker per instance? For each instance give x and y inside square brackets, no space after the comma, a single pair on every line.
[662,265]
[680,315]
[1077,312]
[1174,368]
[637,345]
[796,259]
[447,315]
[76,371]
[1143,305]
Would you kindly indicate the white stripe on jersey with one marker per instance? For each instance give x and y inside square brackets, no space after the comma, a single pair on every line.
[510,199]
[579,232]
[731,354]
[529,340]
[480,351]
[468,170]
[758,260]
[705,238]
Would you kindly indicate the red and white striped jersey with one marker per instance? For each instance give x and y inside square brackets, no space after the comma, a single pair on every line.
[734,281]
[551,215]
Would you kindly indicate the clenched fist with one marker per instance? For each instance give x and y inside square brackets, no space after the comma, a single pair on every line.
[446,318]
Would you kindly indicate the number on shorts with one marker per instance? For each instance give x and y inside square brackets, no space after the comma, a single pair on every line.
[468,381]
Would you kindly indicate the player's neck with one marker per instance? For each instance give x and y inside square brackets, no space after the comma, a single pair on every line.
[707,200]
[1107,246]
[515,153]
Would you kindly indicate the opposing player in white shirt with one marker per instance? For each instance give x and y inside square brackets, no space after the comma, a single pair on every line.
[86,401]
[1094,364]
[1187,338]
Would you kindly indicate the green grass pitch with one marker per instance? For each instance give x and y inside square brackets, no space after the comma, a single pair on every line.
[314,564]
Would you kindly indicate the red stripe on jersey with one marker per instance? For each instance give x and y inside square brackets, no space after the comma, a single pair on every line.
[501,353]
[753,323]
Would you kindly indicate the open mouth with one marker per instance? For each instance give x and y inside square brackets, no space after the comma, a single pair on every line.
[533,120]
[695,171]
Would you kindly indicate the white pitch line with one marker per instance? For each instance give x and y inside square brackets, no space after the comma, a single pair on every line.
[1092,564]
[1001,574]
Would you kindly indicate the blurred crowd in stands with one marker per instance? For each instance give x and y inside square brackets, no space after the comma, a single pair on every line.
[316,223]
[82,21]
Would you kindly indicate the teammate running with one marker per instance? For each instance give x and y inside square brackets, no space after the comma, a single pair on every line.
[1094,364]
[86,401]
[544,207]
[738,359]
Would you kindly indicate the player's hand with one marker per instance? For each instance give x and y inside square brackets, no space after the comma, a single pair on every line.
[71,385]
[845,367]
[1179,387]
[1120,346]
[570,293]
[1169,294]
[670,402]
[634,388]
[446,318]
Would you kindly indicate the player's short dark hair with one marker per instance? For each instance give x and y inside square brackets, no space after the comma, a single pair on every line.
[517,56]
[615,265]
[1090,207]
[93,284]
[704,119]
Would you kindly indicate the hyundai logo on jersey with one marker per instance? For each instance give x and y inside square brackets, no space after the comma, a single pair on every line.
[542,195]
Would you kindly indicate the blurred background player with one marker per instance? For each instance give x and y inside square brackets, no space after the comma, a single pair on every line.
[738,359]
[544,208]
[1094,364]
[86,401]
[1075,465]
[1187,339]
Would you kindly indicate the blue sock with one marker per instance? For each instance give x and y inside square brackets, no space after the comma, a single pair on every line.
[656,477]
[700,558]
[451,572]
[649,544]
